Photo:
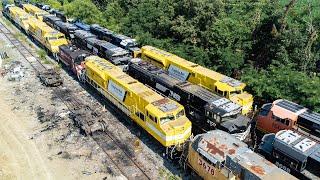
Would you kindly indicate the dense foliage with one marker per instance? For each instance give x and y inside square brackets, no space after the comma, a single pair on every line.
[271,45]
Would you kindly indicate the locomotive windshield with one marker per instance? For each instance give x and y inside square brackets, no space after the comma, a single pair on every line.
[181,113]
[41,14]
[166,119]
[56,37]
[236,92]
[172,117]
[132,44]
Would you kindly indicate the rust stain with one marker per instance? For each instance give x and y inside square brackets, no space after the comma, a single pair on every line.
[231,151]
[258,169]
[212,148]
[160,102]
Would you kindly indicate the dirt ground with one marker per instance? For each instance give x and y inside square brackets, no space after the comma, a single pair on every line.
[30,149]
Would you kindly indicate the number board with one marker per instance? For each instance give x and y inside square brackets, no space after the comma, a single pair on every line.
[207,167]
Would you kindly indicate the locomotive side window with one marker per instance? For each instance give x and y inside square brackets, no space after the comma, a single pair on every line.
[218,119]
[220,92]
[287,122]
[152,118]
[141,116]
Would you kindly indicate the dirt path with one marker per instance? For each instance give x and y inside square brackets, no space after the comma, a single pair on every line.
[19,156]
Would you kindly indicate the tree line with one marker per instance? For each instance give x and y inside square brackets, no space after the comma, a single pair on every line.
[271,45]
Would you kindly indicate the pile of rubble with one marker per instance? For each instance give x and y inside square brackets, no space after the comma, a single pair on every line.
[13,71]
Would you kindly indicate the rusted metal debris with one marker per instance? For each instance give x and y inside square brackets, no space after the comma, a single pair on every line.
[85,119]
[50,77]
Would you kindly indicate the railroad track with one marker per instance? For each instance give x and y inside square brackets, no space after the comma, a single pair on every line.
[116,151]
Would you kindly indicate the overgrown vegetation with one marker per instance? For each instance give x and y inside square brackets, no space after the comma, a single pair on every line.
[43,56]
[273,46]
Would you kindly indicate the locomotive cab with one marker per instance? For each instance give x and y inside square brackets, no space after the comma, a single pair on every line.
[73,57]
[275,117]
[283,114]
[54,40]
[228,118]
[169,117]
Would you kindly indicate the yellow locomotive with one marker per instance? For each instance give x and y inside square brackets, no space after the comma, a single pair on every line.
[51,39]
[219,155]
[187,71]
[35,11]
[20,17]
[161,117]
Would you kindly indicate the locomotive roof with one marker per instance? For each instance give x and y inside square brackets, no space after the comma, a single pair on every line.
[260,167]
[82,25]
[216,103]
[192,67]
[287,109]
[216,145]
[83,34]
[220,105]
[288,105]
[122,37]
[100,28]
[73,51]
[65,25]
[112,49]
[311,116]
[52,17]
[15,9]
[92,40]
[296,145]
[105,68]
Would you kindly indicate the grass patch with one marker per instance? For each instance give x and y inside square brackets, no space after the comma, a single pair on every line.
[20,36]
[46,61]
[167,175]
[7,22]
[43,56]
